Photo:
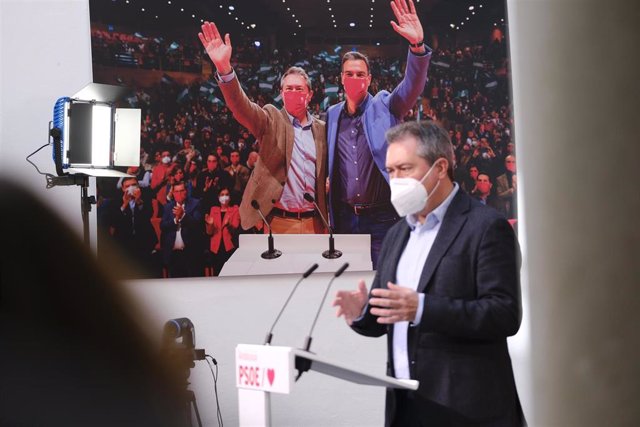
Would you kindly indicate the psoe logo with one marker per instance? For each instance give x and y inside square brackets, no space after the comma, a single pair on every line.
[254,376]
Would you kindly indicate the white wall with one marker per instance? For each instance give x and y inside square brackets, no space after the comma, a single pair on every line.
[229,311]
[576,92]
[45,53]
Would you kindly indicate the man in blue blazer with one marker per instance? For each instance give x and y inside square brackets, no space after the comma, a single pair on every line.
[182,235]
[446,293]
[358,183]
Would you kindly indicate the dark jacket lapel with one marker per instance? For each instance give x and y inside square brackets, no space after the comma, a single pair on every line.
[451,225]
[388,273]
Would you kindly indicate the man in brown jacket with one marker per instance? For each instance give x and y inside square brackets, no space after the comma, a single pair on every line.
[293,149]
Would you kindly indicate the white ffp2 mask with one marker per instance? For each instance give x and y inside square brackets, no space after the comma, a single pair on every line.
[408,195]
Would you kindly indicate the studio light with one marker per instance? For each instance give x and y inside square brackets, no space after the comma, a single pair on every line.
[91,137]
[95,136]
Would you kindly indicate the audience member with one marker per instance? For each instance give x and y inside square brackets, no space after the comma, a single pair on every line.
[182,234]
[507,188]
[210,181]
[222,224]
[483,191]
[239,173]
[131,227]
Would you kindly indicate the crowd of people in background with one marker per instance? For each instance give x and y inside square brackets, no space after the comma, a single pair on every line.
[119,49]
[196,160]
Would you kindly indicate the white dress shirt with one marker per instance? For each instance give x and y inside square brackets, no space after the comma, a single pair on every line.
[408,274]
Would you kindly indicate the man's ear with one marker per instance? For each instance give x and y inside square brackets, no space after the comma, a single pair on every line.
[443,167]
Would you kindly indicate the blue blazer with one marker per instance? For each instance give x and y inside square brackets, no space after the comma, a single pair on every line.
[383,111]
[472,304]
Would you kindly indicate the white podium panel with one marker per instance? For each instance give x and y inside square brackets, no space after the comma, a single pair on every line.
[264,369]
[227,311]
[299,251]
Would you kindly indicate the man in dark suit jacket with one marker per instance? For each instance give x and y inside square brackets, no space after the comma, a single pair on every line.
[446,293]
[131,227]
[182,234]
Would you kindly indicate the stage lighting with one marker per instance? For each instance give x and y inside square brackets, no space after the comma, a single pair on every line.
[92,136]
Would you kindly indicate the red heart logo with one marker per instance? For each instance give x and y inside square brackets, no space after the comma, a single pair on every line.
[271,374]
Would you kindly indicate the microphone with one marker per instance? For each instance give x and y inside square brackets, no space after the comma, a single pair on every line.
[306,274]
[271,253]
[303,364]
[332,253]
[307,343]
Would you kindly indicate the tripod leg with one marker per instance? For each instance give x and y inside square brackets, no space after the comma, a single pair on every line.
[195,409]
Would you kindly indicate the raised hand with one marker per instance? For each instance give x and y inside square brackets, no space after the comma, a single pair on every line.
[178,212]
[408,25]
[126,197]
[137,195]
[207,183]
[351,303]
[219,50]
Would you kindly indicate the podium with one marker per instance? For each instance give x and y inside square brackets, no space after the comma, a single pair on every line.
[263,369]
[299,251]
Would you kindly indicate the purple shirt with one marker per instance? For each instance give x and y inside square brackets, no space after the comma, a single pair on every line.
[358,180]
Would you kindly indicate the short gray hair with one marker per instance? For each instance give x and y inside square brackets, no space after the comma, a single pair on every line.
[299,71]
[433,141]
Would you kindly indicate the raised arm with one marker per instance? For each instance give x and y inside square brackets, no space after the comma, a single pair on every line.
[219,51]
[404,96]
[248,113]
[408,25]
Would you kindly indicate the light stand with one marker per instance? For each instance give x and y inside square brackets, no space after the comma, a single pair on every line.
[91,137]
[81,180]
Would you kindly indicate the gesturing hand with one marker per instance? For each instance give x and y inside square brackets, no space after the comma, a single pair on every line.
[178,212]
[351,303]
[395,304]
[408,25]
[218,50]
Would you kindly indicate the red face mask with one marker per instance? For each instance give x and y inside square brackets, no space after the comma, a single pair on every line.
[295,103]
[355,87]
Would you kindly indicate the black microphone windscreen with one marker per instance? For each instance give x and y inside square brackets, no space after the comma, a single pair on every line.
[342,269]
[310,270]
[255,205]
[309,198]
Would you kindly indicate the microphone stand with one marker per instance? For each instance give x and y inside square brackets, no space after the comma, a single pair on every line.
[332,253]
[306,274]
[302,364]
[271,252]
